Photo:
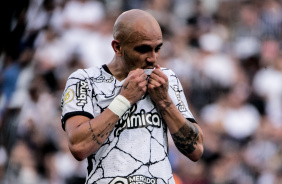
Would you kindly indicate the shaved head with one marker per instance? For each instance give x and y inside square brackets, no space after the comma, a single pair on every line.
[135,24]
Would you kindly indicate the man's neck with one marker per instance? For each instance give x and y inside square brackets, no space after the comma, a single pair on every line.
[118,69]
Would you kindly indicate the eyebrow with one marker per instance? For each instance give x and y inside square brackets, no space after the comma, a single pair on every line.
[161,44]
[147,46]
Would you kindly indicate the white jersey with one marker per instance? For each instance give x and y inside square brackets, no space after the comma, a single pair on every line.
[136,152]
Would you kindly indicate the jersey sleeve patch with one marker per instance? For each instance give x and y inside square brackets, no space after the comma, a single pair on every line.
[77,96]
[68,97]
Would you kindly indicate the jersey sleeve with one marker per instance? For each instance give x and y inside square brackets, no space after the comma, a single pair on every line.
[77,97]
[177,95]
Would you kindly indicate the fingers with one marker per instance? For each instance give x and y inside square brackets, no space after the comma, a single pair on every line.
[157,72]
[135,86]
[138,74]
[156,82]
[138,80]
[143,85]
[144,76]
[158,86]
[158,78]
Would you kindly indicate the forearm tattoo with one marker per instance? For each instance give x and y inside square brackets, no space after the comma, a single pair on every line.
[106,132]
[93,135]
[162,111]
[186,138]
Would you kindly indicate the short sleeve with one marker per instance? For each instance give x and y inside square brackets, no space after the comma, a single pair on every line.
[77,97]
[177,95]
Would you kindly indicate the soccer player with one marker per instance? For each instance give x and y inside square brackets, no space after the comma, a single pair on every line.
[117,115]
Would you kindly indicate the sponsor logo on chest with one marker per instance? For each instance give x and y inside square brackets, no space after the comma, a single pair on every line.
[132,120]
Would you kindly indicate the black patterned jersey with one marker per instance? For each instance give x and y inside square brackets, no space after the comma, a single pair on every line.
[137,149]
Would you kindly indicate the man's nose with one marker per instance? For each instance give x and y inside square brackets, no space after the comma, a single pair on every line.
[152,57]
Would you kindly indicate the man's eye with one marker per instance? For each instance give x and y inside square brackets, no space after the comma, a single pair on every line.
[157,49]
[143,49]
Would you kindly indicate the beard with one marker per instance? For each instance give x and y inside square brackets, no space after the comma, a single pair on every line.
[129,61]
[133,63]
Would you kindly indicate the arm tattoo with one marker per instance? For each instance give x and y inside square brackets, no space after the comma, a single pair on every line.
[125,87]
[186,138]
[101,135]
[162,111]
[93,135]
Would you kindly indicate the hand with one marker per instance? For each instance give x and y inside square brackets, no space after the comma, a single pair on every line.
[134,86]
[158,88]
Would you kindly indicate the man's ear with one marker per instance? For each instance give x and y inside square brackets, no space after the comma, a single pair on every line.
[117,48]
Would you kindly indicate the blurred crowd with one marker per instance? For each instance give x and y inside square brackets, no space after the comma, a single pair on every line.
[227,54]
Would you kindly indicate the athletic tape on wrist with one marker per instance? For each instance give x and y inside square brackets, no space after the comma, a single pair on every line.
[119,105]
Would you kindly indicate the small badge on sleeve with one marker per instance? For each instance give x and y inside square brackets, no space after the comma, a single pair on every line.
[68,96]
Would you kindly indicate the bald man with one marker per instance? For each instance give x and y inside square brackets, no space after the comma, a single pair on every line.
[117,115]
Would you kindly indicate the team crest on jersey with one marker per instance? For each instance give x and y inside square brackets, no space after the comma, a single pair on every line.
[132,120]
[136,179]
[81,92]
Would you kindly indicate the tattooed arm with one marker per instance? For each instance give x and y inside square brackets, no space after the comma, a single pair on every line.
[187,136]
[86,135]
[189,140]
